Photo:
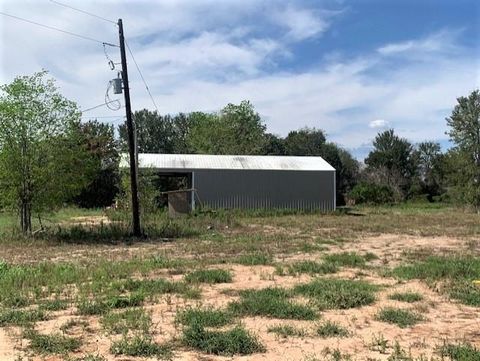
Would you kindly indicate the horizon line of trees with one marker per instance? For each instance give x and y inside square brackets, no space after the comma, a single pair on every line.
[49,157]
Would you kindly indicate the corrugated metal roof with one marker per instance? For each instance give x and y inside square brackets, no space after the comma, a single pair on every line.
[253,162]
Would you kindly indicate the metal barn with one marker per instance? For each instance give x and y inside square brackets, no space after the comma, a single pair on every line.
[240,181]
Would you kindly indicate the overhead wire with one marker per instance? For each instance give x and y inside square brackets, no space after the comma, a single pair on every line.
[83,11]
[58,29]
[102,116]
[141,75]
[98,106]
[109,102]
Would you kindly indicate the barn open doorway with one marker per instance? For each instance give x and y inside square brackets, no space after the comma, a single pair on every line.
[175,186]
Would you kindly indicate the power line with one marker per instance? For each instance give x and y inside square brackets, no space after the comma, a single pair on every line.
[98,106]
[57,29]
[143,79]
[102,116]
[83,11]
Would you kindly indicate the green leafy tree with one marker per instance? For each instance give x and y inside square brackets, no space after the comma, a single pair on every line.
[464,123]
[237,129]
[158,133]
[273,145]
[429,165]
[312,142]
[99,140]
[306,141]
[43,161]
[391,162]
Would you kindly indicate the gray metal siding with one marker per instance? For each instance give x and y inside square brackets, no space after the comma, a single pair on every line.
[306,190]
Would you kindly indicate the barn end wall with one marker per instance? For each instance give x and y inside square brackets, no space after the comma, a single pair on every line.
[266,189]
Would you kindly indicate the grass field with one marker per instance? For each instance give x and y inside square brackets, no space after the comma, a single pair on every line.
[383,283]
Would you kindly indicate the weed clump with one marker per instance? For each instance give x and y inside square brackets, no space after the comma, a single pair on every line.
[130,319]
[210,276]
[21,317]
[331,293]
[312,267]
[460,352]
[204,317]
[236,341]
[140,346]
[409,297]
[287,331]
[254,259]
[52,344]
[331,329]
[401,318]
[346,259]
[271,302]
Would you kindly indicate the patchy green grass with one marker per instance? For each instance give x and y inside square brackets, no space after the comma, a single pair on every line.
[332,293]
[456,272]
[89,357]
[92,307]
[287,331]
[400,317]
[54,305]
[155,287]
[460,352]
[346,259]
[52,344]
[438,268]
[12,317]
[334,355]
[67,326]
[271,302]
[210,276]
[141,346]
[204,317]
[464,291]
[409,297]
[253,259]
[15,301]
[311,267]
[236,341]
[128,320]
[331,329]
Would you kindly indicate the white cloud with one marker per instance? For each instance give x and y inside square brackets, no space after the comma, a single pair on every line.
[378,123]
[441,41]
[201,55]
[302,23]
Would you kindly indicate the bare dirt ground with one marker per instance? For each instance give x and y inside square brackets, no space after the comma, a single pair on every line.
[443,319]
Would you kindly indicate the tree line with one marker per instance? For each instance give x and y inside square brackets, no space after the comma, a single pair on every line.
[49,157]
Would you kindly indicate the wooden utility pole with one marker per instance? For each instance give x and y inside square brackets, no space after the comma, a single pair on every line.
[137,232]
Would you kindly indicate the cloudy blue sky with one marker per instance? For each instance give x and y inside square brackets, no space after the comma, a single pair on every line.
[351,68]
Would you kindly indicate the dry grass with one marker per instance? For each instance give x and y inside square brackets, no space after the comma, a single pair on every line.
[345,276]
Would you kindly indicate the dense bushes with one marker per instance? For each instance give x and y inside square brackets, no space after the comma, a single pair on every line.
[371,193]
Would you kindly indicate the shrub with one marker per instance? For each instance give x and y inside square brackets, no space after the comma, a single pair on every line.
[370,193]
